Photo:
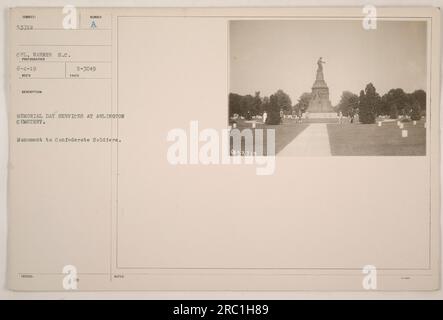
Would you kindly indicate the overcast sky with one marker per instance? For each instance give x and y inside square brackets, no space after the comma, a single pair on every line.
[271,55]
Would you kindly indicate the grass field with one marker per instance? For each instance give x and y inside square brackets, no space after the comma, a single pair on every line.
[371,140]
[284,133]
[351,139]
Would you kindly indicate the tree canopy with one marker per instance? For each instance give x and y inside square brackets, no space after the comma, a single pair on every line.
[368,104]
[348,103]
[303,102]
[251,105]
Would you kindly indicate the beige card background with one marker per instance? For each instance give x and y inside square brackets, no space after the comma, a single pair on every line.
[128,220]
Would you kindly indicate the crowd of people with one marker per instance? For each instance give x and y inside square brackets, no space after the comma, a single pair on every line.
[299,116]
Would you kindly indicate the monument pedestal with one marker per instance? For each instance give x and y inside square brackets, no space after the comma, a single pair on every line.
[320,102]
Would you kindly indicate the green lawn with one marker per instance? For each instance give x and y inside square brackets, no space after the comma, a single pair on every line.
[284,133]
[371,140]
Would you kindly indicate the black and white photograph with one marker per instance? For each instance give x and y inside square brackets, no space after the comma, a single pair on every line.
[331,87]
[249,151]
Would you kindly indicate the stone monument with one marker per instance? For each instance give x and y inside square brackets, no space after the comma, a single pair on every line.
[320,102]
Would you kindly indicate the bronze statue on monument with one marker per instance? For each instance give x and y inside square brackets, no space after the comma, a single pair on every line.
[320,102]
[320,64]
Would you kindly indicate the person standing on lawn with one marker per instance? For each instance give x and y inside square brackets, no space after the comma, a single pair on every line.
[351,116]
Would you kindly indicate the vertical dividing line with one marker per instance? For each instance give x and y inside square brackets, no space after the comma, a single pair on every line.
[112,150]
[117,176]
[429,129]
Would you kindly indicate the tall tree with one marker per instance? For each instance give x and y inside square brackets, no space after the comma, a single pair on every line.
[234,104]
[361,101]
[393,112]
[420,96]
[257,105]
[385,108]
[399,98]
[348,102]
[265,104]
[373,99]
[303,101]
[416,110]
[273,110]
[369,99]
[246,106]
[283,100]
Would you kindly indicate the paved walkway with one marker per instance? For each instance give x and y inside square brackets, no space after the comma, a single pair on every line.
[312,142]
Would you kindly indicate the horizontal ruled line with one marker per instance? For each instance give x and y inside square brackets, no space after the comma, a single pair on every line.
[64,45]
[40,61]
[67,78]
[63,29]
